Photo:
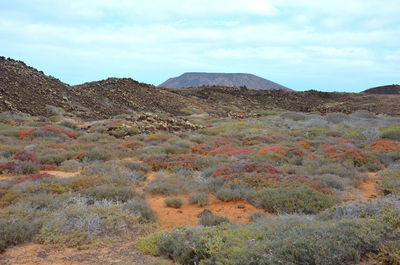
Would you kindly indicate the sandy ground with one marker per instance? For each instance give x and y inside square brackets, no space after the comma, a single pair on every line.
[187,215]
[366,191]
[117,253]
[61,174]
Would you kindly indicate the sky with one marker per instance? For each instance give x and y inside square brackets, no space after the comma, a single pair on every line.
[340,45]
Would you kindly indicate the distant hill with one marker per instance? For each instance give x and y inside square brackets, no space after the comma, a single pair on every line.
[387,90]
[220,79]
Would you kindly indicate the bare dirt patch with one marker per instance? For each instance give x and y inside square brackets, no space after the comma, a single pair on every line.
[117,253]
[366,191]
[61,174]
[187,215]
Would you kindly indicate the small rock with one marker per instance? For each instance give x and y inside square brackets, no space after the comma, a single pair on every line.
[31,147]
[241,206]
[179,211]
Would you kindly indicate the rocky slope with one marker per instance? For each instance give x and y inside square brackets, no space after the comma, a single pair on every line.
[221,79]
[27,90]
[386,90]
[124,95]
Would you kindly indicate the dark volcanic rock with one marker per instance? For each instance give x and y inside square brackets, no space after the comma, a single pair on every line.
[387,90]
[25,89]
[220,79]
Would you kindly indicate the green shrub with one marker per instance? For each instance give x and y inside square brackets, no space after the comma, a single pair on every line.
[392,132]
[108,192]
[27,168]
[79,224]
[301,199]
[70,165]
[55,157]
[96,154]
[209,219]
[234,193]
[174,202]
[140,207]
[164,186]
[68,124]
[389,185]
[149,245]
[14,232]
[333,181]
[200,199]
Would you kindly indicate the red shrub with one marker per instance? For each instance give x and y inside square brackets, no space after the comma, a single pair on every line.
[31,177]
[386,145]
[230,150]
[238,169]
[9,167]
[201,149]
[44,130]
[26,133]
[220,142]
[71,134]
[48,167]
[24,156]
[334,134]
[130,145]
[356,155]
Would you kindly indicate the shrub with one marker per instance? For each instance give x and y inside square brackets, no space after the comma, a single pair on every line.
[293,116]
[9,167]
[9,197]
[140,207]
[169,162]
[164,186]
[149,245]
[301,199]
[80,223]
[386,145]
[70,165]
[96,154]
[55,157]
[14,232]
[69,124]
[48,167]
[27,167]
[137,166]
[230,194]
[230,150]
[31,177]
[111,193]
[390,185]
[209,219]
[392,132]
[24,156]
[174,202]
[200,199]
[336,118]
[333,181]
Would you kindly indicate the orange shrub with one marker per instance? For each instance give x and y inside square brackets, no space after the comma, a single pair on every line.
[278,150]
[386,145]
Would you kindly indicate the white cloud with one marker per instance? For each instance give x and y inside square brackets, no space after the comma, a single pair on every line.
[278,37]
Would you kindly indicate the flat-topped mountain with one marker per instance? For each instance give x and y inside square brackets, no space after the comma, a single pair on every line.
[221,79]
[388,90]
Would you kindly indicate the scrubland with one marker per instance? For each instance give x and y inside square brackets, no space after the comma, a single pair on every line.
[68,185]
